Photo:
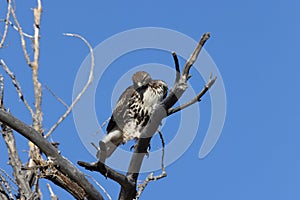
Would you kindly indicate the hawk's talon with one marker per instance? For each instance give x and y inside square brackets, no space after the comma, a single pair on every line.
[147,154]
[132,147]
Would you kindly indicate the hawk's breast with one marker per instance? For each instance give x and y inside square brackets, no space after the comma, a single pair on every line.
[140,109]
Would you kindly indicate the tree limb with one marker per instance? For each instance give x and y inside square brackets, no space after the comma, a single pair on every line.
[61,163]
[107,172]
[194,100]
[16,85]
[14,159]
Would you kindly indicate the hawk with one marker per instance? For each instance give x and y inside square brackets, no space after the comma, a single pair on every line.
[132,112]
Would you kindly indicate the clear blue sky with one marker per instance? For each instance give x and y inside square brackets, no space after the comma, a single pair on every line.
[255,46]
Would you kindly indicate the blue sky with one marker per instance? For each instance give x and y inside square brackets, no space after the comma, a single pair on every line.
[255,46]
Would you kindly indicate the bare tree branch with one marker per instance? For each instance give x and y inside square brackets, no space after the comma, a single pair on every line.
[90,79]
[61,163]
[100,186]
[176,62]
[5,184]
[48,171]
[16,85]
[52,194]
[16,28]
[37,120]
[57,97]
[107,172]
[6,24]
[195,54]
[3,194]
[14,158]
[151,176]
[194,100]
[23,42]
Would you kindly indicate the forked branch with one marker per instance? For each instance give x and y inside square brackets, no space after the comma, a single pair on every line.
[194,100]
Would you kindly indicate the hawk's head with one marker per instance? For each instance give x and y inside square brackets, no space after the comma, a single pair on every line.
[140,79]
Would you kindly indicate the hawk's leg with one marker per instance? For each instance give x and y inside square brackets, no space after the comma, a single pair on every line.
[109,144]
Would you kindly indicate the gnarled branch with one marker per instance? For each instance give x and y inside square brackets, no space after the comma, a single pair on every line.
[61,163]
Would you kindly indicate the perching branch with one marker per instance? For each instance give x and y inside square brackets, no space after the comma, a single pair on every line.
[84,88]
[107,172]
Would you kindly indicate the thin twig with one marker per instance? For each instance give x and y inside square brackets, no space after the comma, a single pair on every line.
[23,42]
[16,28]
[176,66]
[6,24]
[100,186]
[104,123]
[162,150]
[16,85]
[8,176]
[52,194]
[195,54]
[57,97]
[7,186]
[84,88]
[194,100]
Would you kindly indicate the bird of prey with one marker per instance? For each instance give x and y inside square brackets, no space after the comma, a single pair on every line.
[132,112]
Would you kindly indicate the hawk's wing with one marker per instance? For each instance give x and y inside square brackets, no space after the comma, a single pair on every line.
[119,116]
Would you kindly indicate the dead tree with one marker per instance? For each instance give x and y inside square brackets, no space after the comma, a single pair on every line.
[54,166]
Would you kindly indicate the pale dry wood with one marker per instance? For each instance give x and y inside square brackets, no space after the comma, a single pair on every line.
[14,159]
[52,194]
[90,79]
[6,24]
[17,86]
